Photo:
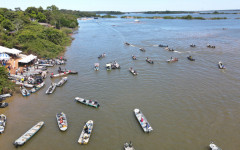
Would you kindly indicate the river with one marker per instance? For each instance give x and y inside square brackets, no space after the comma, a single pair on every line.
[188,104]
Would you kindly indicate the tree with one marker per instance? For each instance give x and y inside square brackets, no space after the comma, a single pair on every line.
[1,18]
[41,17]
[52,8]
[17,9]
[7,24]
[18,23]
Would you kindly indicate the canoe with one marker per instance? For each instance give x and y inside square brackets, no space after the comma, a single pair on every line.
[86,133]
[128,146]
[190,58]
[36,88]
[134,72]
[24,91]
[214,147]
[60,74]
[3,105]
[47,65]
[211,46]
[142,120]
[172,60]
[149,61]
[62,121]
[142,49]
[115,65]
[3,120]
[24,84]
[92,103]
[26,136]
[51,88]
[62,81]
[220,65]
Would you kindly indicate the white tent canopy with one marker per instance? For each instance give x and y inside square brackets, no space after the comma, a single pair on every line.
[9,51]
[4,56]
[27,59]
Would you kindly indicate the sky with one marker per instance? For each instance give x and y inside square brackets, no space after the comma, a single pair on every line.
[126,5]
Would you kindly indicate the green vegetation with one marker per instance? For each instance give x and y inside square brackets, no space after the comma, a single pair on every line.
[168,12]
[5,84]
[108,16]
[79,14]
[109,12]
[188,17]
[21,29]
[218,18]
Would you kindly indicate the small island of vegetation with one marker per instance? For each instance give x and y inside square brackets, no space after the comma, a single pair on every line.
[188,17]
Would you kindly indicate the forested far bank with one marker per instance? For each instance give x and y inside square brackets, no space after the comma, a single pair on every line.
[43,32]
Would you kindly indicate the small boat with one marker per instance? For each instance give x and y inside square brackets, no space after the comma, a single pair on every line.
[142,120]
[142,49]
[134,57]
[134,72]
[62,81]
[109,66]
[169,49]
[3,120]
[62,121]
[24,91]
[220,65]
[137,21]
[192,45]
[214,147]
[92,103]
[69,71]
[24,84]
[128,146]
[172,60]
[86,133]
[149,60]
[51,88]
[96,66]
[5,95]
[36,88]
[60,74]
[115,65]
[211,46]
[46,65]
[190,58]
[101,56]
[3,105]
[26,136]
[162,45]
[126,43]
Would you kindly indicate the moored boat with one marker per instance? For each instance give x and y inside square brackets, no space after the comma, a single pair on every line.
[211,46]
[69,71]
[60,74]
[214,147]
[134,72]
[172,60]
[92,103]
[190,58]
[96,66]
[62,121]
[142,120]
[26,136]
[3,120]
[86,133]
[5,95]
[36,88]
[128,146]
[62,81]
[3,105]
[51,88]
[24,91]
[149,60]
[220,65]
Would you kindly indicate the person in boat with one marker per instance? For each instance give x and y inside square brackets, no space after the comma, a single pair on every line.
[141,119]
[171,58]
[52,74]
[59,69]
